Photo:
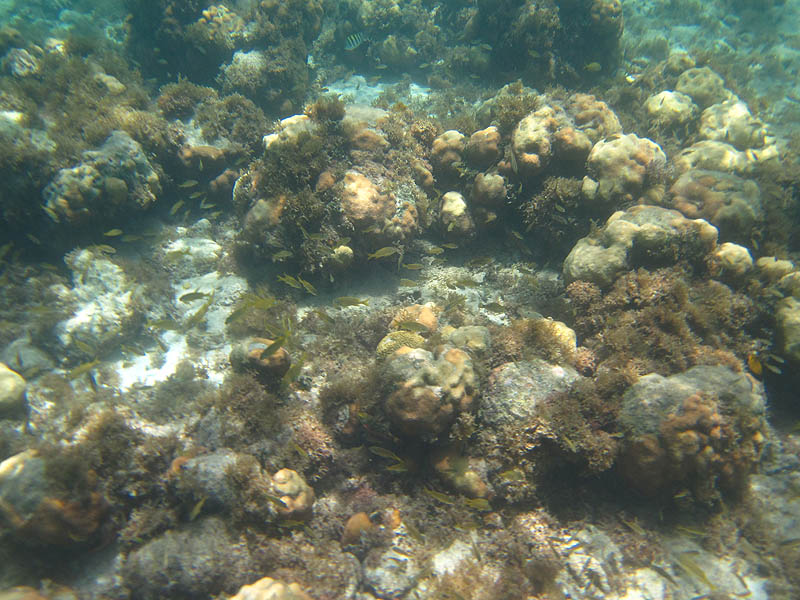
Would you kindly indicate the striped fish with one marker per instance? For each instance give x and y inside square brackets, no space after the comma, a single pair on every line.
[354,40]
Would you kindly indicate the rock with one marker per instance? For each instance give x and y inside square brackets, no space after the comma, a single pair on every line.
[396,340]
[447,150]
[206,476]
[482,149]
[642,235]
[461,473]
[703,85]
[363,205]
[489,190]
[788,328]
[270,589]
[731,262]
[113,85]
[294,492]
[249,356]
[289,129]
[428,392]
[516,391]
[12,390]
[712,155]
[106,302]
[621,168]
[21,355]
[678,61]
[669,109]
[196,561]
[82,193]
[593,118]
[456,219]
[773,268]
[20,63]
[23,592]
[205,160]
[701,431]
[392,572]
[39,515]
[474,338]
[421,314]
[341,259]
[531,140]
[730,203]
[731,122]
[591,260]
[356,526]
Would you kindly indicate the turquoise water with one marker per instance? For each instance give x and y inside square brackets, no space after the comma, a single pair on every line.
[378,299]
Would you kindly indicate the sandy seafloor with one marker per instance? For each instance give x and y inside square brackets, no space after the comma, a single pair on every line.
[582,385]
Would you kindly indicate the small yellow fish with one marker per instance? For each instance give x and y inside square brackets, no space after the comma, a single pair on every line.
[81,369]
[197,508]
[201,312]
[450,246]
[52,214]
[755,365]
[383,252]
[481,504]
[408,283]
[412,326]
[188,183]
[175,208]
[192,296]
[593,67]
[294,370]
[130,238]
[324,316]
[307,286]
[439,496]
[281,254]
[343,301]
[165,324]
[290,281]
[272,348]
[412,266]
[514,474]
[434,250]
[384,453]
[113,232]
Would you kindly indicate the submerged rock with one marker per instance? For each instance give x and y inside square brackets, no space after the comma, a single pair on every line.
[701,431]
[640,236]
[267,588]
[196,561]
[516,391]
[115,181]
[429,392]
[12,390]
[40,515]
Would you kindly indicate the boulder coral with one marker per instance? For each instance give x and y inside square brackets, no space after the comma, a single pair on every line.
[621,169]
[112,181]
[267,588]
[730,203]
[41,515]
[641,236]
[699,433]
[703,86]
[428,391]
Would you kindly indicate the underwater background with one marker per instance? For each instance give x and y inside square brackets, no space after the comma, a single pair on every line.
[383,299]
